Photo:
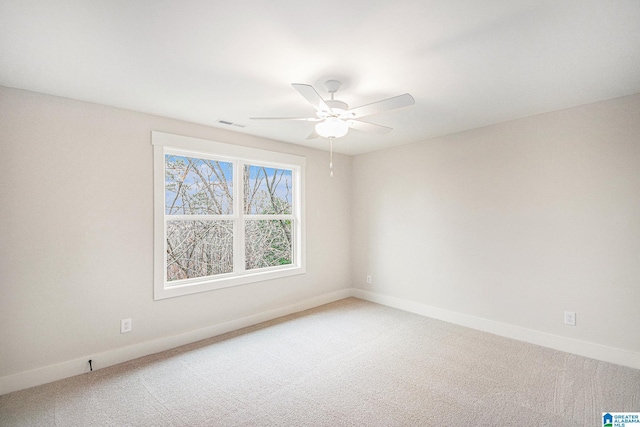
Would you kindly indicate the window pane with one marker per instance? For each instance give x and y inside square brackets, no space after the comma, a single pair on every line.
[197,186]
[267,190]
[267,243]
[199,248]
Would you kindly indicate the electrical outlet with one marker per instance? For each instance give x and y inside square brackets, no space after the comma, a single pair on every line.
[369,279]
[570,318]
[125,326]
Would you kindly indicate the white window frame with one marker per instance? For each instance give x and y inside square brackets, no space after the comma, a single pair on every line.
[165,143]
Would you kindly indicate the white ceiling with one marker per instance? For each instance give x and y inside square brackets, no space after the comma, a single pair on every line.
[468,63]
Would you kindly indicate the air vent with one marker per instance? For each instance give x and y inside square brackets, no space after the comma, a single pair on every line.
[228,123]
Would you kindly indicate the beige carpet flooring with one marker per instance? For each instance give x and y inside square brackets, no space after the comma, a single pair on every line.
[349,363]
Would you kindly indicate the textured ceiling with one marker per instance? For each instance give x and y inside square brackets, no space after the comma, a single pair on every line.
[467,63]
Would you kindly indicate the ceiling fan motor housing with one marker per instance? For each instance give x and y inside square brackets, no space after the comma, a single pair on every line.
[337,105]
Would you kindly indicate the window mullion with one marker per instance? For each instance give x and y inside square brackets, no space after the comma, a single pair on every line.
[238,211]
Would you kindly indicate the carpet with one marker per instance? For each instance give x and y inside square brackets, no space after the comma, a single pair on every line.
[348,363]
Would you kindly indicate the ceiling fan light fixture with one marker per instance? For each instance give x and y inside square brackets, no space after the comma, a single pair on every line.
[332,127]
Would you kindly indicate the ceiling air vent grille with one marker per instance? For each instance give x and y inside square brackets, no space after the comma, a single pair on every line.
[228,123]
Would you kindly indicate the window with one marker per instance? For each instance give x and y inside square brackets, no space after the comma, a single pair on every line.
[224,215]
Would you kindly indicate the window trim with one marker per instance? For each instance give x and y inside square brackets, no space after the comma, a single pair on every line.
[170,143]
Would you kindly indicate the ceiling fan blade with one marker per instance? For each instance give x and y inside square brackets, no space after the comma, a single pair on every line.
[380,106]
[310,94]
[369,127]
[306,119]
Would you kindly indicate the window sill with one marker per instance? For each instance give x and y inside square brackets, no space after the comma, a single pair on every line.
[162,291]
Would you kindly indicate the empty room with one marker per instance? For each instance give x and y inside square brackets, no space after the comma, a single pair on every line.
[277,213]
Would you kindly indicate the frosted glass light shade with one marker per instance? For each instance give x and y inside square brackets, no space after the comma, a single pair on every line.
[332,127]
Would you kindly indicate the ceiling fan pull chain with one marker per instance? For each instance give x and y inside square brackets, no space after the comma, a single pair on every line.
[331,157]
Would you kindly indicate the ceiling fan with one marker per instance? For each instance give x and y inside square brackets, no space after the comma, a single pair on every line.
[334,118]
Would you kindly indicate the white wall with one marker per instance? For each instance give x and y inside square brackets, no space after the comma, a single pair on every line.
[76,233]
[514,223]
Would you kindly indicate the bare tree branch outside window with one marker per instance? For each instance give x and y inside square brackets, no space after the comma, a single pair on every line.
[267,191]
[203,246]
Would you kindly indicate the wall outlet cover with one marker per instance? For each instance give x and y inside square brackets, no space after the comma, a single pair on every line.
[125,326]
[570,318]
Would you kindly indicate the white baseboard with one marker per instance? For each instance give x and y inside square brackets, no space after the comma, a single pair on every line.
[569,345]
[78,366]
